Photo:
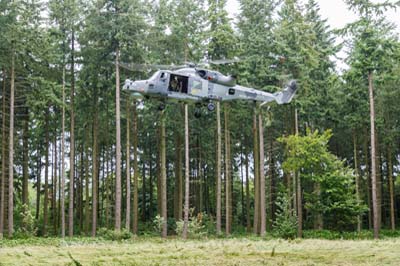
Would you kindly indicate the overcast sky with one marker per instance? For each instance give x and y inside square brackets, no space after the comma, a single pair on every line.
[334,10]
[337,14]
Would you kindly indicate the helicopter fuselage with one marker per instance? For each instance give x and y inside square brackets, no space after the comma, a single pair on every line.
[201,85]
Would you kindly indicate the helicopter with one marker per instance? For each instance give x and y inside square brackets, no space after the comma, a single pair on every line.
[191,84]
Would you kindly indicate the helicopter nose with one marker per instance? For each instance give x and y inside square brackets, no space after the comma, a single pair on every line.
[129,85]
[139,85]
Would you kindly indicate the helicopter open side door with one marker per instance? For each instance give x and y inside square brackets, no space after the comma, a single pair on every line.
[178,83]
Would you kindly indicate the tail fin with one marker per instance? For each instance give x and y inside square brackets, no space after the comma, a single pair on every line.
[286,95]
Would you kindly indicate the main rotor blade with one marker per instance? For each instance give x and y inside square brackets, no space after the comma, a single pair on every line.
[225,61]
[140,67]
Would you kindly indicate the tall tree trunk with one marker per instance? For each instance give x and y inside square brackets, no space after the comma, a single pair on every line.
[79,187]
[135,171]
[62,196]
[118,147]
[199,175]
[3,156]
[373,156]
[248,222]
[143,190]
[272,182]
[87,196]
[227,173]
[11,152]
[54,197]
[163,174]
[186,211]
[256,154]
[46,174]
[158,173]
[378,159]
[298,188]
[25,164]
[151,206]
[242,222]
[357,176]
[95,167]
[38,181]
[128,167]
[262,176]
[178,179]
[368,178]
[391,187]
[72,142]
[218,169]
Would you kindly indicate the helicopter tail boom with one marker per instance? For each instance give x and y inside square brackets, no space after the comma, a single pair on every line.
[286,95]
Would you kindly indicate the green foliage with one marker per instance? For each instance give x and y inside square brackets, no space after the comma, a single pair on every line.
[285,224]
[309,156]
[158,222]
[114,235]
[27,228]
[196,225]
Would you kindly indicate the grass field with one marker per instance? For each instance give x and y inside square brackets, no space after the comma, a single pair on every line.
[240,251]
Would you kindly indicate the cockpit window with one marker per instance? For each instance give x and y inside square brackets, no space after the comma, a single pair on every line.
[162,75]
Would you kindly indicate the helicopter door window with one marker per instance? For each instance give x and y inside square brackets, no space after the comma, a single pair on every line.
[178,83]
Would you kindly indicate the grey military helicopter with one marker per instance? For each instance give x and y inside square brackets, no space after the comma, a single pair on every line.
[192,84]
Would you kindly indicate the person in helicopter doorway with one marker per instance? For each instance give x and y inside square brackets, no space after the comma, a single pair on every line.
[174,84]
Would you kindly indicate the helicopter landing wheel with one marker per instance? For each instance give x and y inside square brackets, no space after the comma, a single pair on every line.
[197,113]
[211,106]
[161,107]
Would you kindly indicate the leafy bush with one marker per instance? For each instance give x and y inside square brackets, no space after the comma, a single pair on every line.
[158,223]
[285,225]
[196,227]
[28,227]
[114,235]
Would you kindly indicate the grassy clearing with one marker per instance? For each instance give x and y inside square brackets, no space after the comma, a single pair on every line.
[241,251]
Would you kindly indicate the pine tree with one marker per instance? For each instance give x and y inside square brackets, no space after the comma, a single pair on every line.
[372,41]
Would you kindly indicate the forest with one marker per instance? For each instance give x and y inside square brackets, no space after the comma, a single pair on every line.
[81,157]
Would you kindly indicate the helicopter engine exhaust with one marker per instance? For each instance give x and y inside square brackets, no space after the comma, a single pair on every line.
[217,77]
